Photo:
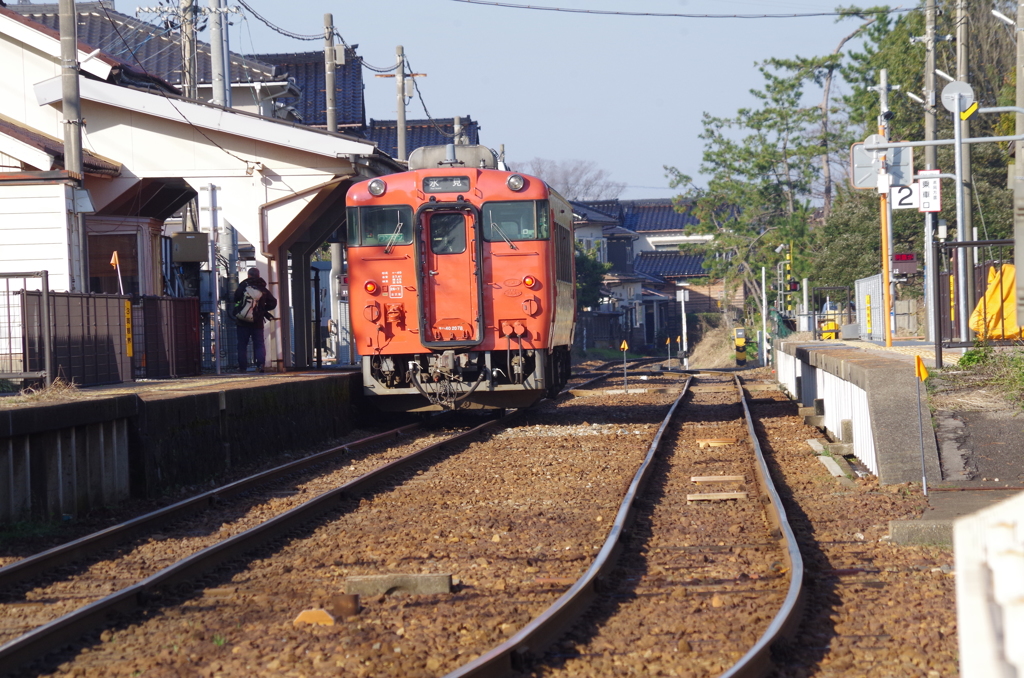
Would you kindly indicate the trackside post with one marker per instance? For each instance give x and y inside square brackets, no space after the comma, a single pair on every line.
[624,348]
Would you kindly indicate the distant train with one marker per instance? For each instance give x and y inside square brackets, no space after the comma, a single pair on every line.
[461,284]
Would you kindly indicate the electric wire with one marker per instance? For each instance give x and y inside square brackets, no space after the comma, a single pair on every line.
[796,15]
[164,94]
[277,29]
[416,86]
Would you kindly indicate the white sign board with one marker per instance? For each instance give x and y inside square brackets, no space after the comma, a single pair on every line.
[931,191]
[905,197]
[865,165]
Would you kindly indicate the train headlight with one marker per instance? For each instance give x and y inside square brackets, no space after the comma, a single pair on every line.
[530,281]
[371,287]
[516,182]
[377,187]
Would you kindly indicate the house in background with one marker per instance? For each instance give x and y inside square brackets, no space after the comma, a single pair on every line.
[419,133]
[151,151]
[641,239]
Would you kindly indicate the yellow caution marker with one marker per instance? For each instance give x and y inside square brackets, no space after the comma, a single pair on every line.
[969,112]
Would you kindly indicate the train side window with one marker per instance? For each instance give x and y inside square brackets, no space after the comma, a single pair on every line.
[447,233]
[352,219]
[563,253]
[543,220]
[384,225]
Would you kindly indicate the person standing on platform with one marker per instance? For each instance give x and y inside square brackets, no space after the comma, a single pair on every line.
[253,304]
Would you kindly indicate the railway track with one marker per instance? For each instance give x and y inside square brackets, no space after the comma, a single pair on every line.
[48,598]
[519,518]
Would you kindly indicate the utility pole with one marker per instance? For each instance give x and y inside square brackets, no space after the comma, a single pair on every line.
[400,78]
[217,54]
[962,55]
[71,103]
[337,249]
[1018,170]
[330,74]
[930,160]
[886,211]
[188,48]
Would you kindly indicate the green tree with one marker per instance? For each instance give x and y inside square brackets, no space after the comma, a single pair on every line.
[761,164]
[589,274]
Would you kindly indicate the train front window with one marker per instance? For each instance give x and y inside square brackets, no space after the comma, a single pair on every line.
[515,221]
[388,225]
[447,233]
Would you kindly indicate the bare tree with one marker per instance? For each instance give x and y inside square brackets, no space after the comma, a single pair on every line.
[575,179]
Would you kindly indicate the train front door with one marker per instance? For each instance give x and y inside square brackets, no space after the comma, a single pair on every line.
[452,293]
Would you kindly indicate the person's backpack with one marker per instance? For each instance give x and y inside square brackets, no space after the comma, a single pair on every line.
[248,309]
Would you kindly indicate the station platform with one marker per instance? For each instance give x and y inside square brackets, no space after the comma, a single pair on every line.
[66,452]
[979,443]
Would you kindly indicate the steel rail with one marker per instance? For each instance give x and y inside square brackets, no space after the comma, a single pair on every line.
[758,661]
[59,632]
[96,542]
[516,653]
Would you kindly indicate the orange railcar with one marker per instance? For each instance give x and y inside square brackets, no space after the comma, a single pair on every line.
[461,287]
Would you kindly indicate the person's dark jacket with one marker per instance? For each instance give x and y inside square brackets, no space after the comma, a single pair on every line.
[267,302]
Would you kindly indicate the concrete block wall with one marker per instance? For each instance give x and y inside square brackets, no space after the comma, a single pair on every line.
[67,459]
[64,459]
[989,552]
[869,398]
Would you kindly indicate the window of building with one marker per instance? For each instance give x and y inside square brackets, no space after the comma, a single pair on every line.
[102,275]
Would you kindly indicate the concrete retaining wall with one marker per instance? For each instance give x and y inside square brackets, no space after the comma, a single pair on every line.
[64,459]
[870,405]
[69,458]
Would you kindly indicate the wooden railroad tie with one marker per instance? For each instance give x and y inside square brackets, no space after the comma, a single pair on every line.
[715,442]
[703,480]
[715,496]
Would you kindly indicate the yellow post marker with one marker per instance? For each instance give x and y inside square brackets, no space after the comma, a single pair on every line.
[129,342]
[921,372]
[624,348]
[668,345]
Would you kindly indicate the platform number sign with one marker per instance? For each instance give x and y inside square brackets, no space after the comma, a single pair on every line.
[931,193]
[905,197]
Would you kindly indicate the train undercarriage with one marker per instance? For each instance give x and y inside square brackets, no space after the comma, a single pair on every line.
[451,380]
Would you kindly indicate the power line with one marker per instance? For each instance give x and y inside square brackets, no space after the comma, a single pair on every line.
[164,94]
[570,10]
[274,27]
[423,103]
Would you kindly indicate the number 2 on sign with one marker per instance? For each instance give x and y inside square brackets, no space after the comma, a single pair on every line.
[906,197]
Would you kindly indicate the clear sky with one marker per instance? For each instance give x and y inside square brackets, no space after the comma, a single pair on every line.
[625,92]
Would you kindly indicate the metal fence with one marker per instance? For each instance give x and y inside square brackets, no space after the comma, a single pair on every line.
[990,295]
[869,304]
[88,335]
[166,337]
[26,352]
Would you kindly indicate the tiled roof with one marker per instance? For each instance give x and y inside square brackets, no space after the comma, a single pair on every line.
[153,49]
[585,214]
[420,133]
[655,215]
[669,264]
[644,215]
[55,148]
[307,68]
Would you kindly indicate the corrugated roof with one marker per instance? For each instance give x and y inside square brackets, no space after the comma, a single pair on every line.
[142,45]
[669,264]
[420,133]
[309,72]
[55,148]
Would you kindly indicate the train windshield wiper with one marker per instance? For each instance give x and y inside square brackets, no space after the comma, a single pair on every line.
[394,238]
[503,236]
